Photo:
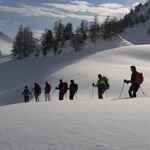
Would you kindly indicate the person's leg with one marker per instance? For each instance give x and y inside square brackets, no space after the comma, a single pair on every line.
[131,91]
[25,100]
[135,89]
[38,98]
[35,98]
[60,96]
[63,94]
[71,96]
[46,97]
[100,94]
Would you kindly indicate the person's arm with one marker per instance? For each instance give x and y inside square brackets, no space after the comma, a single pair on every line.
[57,87]
[95,85]
[131,80]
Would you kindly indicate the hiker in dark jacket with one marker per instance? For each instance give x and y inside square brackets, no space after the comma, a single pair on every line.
[72,89]
[62,87]
[37,91]
[26,93]
[101,86]
[136,80]
[47,91]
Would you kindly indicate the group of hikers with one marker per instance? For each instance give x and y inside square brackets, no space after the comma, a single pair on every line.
[102,85]
[62,87]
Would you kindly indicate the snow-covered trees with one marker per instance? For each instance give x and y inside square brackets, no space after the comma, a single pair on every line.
[24,43]
[62,34]
[94,30]
[47,42]
[68,31]
[109,28]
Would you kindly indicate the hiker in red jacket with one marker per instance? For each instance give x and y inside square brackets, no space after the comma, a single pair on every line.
[62,87]
[136,80]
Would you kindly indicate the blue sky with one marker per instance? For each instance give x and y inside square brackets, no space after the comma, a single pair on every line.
[41,14]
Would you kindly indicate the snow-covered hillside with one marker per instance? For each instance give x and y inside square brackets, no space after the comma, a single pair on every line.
[86,123]
[139,33]
[16,74]
[5,44]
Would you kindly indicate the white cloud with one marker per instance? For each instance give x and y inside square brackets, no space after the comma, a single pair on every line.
[108,9]
[74,9]
[28,10]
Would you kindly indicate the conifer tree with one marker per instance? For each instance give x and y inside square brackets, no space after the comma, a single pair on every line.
[68,31]
[24,43]
[47,41]
[94,30]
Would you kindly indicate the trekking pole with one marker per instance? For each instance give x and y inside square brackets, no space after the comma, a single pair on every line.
[53,91]
[121,91]
[92,91]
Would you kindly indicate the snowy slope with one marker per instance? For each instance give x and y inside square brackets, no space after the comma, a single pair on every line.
[15,74]
[78,125]
[5,44]
[86,123]
[138,34]
[5,47]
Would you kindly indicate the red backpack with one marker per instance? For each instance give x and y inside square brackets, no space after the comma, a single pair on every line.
[139,78]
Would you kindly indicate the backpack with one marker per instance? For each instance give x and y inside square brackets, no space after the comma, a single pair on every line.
[106,82]
[139,78]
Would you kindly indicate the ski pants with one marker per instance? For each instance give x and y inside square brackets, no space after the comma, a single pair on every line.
[37,97]
[101,90]
[71,95]
[47,96]
[133,90]
[61,96]
[26,99]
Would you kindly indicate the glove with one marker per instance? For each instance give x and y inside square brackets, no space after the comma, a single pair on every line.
[126,81]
